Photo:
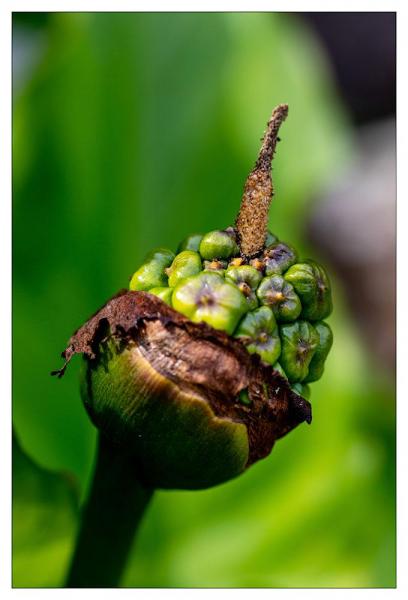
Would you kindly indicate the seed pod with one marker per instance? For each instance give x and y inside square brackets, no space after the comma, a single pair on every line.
[279,295]
[299,342]
[247,279]
[259,332]
[278,258]
[218,244]
[152,273]
[170,393]
[208,298]
[184,265]
[313,288]
[316,366]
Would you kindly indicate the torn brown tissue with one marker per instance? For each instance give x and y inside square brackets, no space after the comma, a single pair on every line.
[195,356]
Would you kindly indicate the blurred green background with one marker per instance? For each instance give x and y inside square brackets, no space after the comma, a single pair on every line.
[131,131]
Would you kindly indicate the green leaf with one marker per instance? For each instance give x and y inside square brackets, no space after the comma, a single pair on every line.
[45,514]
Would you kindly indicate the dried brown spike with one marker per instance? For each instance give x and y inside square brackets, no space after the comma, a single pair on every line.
[252,221]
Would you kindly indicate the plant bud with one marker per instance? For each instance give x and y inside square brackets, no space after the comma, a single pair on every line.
[188,402]
[185,264]
[313,288]
[207,297]
[299,342]
[247,279]
[259,332]
[152,273]
[218,244]
[278,258]
[279,295]
[316,366]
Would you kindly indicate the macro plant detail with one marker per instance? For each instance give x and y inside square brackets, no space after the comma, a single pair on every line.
[194,372]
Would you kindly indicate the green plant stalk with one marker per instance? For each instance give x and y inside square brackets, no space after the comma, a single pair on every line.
[110,519]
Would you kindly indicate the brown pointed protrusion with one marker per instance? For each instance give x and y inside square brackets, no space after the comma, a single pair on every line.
[252,221]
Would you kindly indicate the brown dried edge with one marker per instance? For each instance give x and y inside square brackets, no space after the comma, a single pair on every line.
[197,357]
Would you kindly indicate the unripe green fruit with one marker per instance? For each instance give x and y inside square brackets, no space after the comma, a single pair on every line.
[218,286]
[259,332]
[280,296]
[152,273]
[299,342]
[208,298]
[313,288]
[278,258]
[184,265]
[218,244]
[316,366]
[247,279]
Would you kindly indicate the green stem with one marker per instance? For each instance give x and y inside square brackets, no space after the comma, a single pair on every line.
[111,516]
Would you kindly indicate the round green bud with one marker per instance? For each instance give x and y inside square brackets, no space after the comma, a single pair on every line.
[247,279]
[260,334]
[209,298]
[164,293]
[302,389]
[299,343]
[278,258]
[152,273]
[274,291]
[218,244]
[312,285]
[184,265]
[316,366]
[192,242]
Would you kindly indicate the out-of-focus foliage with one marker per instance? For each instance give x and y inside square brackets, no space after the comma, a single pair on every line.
[44,518]
[131,131]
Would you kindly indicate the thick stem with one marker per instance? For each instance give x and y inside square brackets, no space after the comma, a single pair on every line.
[252,221]
[110,519]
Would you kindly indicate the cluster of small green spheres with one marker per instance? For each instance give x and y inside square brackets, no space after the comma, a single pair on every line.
[273,303]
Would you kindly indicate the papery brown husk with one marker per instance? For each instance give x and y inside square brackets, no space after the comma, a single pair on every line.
[199,358]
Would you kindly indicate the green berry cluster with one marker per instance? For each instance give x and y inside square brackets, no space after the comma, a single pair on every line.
[274,304]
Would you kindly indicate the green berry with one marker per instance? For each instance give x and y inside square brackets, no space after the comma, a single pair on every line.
[260,334]
[313,288]
[316,366]
[164,293]
[208,297]
[152,273]
[302,389]
[185,264]
[192,242]
[247,279]
[299,343]
[279,295]
[278,258]
[218,244]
